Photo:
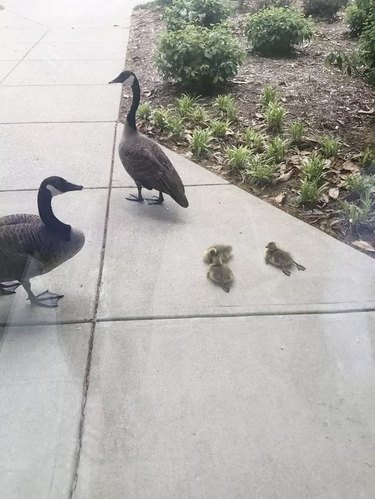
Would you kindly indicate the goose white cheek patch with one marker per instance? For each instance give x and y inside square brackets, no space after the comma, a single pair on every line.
[130,80]
[53,190]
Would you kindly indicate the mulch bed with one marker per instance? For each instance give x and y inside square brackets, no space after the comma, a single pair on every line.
[328,101]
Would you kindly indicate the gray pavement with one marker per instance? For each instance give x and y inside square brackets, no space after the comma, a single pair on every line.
[148,381]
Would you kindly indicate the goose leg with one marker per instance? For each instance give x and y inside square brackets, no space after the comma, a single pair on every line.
[159,199]
[138,198]
[286,271]
[45,299]
[299,267]
[8,289]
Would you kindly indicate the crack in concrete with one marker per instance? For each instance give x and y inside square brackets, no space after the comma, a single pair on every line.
[92,333]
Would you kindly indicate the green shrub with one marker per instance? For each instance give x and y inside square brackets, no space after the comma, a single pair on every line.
[368,156]
[144,111]
[329,146]
[227,106]
[313,169]
[367,48]
[199,12]
[323,8]
[198,57]
[186,104]
[276,30]
[359,184]
[262,4]
[269,94]
[199,142]
[220,128]
[274,116]
[358,213]
[310,192]
[276,150]
[297,131]
[253,139]
[160,118]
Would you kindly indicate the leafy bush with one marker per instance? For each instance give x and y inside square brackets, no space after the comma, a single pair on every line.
[238,157]
[313,169]
[276,30]
[253,139]
[269,94]
[297,131]
[199,12]
[323,8]
[199,143]
[186,104]
[160,118]
[220,128]
[262,4]
[358,14]
[198,57]
[310,192]
[227,106]
[360,213]
[261,171]
[276,150]
[144,111]
[367,46]
[274,116]
[358,184]
[329,146]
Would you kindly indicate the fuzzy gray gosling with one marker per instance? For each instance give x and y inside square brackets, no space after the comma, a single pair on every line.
[281,259]
[221,250]
[220,274]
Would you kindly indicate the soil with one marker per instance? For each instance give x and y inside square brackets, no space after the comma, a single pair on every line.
[324,98]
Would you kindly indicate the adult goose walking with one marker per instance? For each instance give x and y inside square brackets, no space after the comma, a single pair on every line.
[143,159]
[32,245]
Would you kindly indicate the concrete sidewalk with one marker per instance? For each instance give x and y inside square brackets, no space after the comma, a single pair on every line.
[148,381]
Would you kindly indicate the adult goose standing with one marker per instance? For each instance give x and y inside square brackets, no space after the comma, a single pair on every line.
[32,245]
[143,159]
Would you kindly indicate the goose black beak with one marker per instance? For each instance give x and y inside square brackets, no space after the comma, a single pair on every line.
[73,187]
[116,80]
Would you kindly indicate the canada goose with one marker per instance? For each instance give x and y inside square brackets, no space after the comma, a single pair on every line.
[220,274]
[32,245]
[143,159]
[221,250]
[281,259]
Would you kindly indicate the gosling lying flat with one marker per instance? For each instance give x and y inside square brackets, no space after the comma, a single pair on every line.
[143,159]
[32,245]
[220,274]
[281,259]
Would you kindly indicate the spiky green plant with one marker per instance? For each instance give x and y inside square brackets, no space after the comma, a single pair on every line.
[160,118]
[186,104]
[360,213]
[199,116]
[297,131]
[200,142]
[253,139]
[144,111]
[269,94]
[313,169]
[368,156]
[227,106]
[175,125]
[238,157]
[274,115]
[329,146]
[261,171]
[276,150]
[359,184]
[310,192]
[219,128]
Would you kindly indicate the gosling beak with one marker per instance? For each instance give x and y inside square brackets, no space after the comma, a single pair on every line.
[73,187]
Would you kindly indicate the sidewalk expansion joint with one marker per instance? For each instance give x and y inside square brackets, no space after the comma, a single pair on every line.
[92,333]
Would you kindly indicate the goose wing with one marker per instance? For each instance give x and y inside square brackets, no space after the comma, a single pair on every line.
[21,239]
[146,162]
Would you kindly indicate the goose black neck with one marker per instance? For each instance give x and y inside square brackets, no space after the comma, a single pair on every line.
[135,103]
[52,223]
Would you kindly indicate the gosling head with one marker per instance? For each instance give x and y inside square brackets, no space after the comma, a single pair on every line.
[58,185]
[125,77]
[271,246]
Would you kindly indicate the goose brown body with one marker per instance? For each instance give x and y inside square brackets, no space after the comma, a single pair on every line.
[143,159]
[27,249]
[32,245]
[149,166]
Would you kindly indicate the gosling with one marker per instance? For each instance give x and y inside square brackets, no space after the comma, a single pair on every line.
[281,259]
[221,250]
[220,274]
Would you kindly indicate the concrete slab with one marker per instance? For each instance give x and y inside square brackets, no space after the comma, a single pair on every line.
[190,172]
[87,35]
[77,278]
[6,67]
[74,51]
[59,103]
[42,371]
[231,407]
[12,20]
[71,150]
[9,36]
[154,268]
[14,51]
[62,72]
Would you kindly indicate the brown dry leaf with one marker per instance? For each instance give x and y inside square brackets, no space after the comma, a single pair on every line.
[280,198]
[350,166]
[284,177]
[295,160]
[324,199]
[370,111]
[334,192]
[259,115]
[364,245]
